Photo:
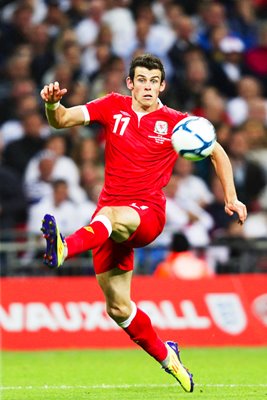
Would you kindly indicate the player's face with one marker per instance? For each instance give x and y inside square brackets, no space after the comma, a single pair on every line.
[145,89]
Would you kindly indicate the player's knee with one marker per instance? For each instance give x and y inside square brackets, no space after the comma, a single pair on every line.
[108,212]
[120,230]
[118,313]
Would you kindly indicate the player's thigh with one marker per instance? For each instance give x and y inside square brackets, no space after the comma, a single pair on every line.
[151,225]
[110,255]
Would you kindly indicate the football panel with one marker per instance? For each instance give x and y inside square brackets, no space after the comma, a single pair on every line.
[196,125]
[183,140]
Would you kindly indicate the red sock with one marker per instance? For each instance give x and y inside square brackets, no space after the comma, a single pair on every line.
[142,333]
[89,236]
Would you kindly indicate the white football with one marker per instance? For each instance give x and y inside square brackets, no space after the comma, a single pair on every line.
[194,138]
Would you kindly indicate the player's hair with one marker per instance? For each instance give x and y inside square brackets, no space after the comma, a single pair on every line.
[147,61]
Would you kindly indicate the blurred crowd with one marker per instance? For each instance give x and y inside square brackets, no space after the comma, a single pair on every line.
[215,55]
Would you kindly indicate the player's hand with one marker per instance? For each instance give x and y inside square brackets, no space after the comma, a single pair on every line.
[52,93]
[237,207]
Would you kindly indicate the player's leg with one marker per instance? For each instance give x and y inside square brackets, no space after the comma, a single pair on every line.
[118,222]
[115,285]
[113,264]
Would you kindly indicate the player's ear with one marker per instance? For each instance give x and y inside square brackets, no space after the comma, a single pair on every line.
[129,83]
[162,86]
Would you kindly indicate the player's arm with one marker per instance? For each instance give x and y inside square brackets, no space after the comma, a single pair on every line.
[224,172]
[57,115]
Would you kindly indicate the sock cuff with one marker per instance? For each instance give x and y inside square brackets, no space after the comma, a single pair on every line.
[128,321]
[105,221]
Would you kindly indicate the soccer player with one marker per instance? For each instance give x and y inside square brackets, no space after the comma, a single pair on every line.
[139,159]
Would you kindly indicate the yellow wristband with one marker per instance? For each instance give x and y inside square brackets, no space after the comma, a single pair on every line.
[52,106]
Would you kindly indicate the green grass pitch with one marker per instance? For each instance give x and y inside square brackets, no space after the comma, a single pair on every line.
[219,373]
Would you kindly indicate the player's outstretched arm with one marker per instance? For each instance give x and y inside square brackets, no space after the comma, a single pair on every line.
[224,171]
[57,115]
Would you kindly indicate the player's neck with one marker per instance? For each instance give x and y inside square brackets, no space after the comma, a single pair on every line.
[139,109]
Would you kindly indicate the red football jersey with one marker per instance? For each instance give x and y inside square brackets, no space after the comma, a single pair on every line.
[139,156]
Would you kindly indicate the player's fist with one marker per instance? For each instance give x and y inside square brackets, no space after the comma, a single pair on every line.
[52,93]
[237,207]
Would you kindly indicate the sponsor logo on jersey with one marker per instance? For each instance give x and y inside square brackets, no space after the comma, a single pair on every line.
[139,207]
[89,229]
[125,114]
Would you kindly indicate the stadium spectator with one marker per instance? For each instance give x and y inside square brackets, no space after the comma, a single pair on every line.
[59,204]
[217,34]
[39,186]
[71,55]
[257,141]
[95,58]
[122,25]
[167,12]
[113,80]
[176,216]
[13,205]
[211,14]
[12,128]
[66,37]
[191,85]
[204,168]
[185,39]
[243,22]
[79,95]
[249,176]
[215,209]
[263,200]
[15,81]
[86,151]
[50,165]
[185,215]
[192,54]
[18,153]
[190,186]
[18,65]
[88,28]
[139,160]
[92,179]
[55,18]
[256,225]
[152,37]
[223,131]
[77,11]
[226,73]
[16,30]
[8,8]
[182,262]
[13,210]
[255,57]
[63,71]
[248,89]
[13,92]
[43,55]
[257,110]
[212,106]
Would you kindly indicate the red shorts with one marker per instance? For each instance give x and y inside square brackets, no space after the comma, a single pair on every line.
[121,255]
